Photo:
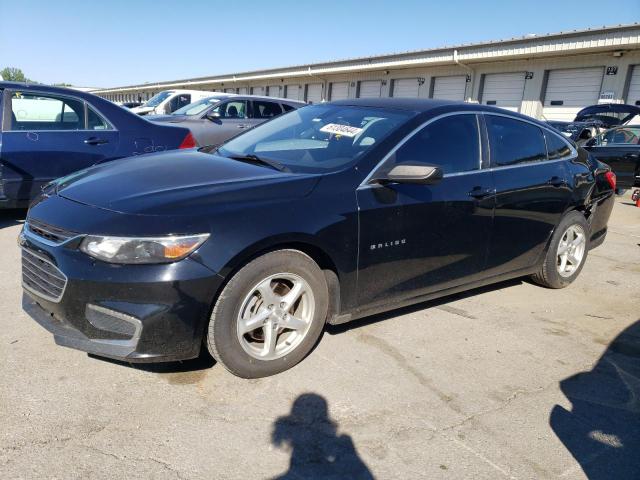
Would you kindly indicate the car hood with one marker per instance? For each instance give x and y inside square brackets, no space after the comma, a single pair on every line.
[141,109]
[186,182]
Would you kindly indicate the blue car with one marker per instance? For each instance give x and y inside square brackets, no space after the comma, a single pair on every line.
[48,132]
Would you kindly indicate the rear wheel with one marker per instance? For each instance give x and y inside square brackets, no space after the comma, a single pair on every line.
[567,252]
[270,315]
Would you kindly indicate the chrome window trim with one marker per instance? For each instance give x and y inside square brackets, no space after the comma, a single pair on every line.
[86,105]
[545,129]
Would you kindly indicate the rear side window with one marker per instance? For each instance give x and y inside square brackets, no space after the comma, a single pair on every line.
[556,147]
[287,108]
[451,143]
[262,109]
[31,111]
[621,136]
[514,142]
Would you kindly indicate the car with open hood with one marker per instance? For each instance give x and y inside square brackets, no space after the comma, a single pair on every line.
[325,214]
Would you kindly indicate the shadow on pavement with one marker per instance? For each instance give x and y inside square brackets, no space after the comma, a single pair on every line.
[9,218]
[317,450]
[203,362]
[602,430]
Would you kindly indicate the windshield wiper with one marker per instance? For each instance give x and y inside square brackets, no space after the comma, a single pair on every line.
[251,158]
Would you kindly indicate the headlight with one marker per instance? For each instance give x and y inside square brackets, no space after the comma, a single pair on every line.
[141,250]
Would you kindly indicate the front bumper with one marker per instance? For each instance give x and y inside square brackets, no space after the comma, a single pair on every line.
[135,313]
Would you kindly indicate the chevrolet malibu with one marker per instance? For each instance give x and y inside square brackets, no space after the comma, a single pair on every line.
[323,215]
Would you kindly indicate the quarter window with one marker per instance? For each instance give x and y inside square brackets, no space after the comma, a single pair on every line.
[262,109]
[556,147]
[451,143]
[95,121]
[513,141]
[34,111]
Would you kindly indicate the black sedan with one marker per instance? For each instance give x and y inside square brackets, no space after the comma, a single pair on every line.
[213,120]
[620,149]
[48,132]
[325,214]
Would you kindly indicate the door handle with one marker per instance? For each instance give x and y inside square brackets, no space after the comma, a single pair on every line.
[242,125]
[96,141]
[631,155]
[556,182]
[479,192]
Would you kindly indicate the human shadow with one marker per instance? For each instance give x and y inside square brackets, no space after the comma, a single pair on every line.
[602,429]
[317,450]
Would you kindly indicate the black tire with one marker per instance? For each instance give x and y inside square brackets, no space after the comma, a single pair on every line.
[222,338]
[548,275]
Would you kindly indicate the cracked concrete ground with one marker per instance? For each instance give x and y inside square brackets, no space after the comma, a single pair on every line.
[511,381]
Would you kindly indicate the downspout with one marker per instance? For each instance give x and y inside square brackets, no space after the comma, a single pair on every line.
[468,69]
[324,83]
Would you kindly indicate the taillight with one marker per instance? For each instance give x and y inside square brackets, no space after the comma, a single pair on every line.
[188,142]
[611,178]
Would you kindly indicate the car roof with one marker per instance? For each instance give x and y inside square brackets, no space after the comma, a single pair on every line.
[40,87]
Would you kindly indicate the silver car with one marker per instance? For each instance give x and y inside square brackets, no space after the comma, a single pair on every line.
[215,119]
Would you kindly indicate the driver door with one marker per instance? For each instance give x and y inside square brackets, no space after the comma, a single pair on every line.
[416,239]
[620,149]
[228,119]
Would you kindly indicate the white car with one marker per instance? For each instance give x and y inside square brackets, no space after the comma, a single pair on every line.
[169,101]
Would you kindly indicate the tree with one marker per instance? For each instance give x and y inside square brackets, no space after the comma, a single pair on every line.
[13,74]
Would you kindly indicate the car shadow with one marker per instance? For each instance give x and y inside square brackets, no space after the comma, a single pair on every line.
[602,429]
[11,217]
[362,322]
[317,449]
[203,362]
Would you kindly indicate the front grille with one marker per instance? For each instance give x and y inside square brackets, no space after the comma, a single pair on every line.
[48,232]
[42,277]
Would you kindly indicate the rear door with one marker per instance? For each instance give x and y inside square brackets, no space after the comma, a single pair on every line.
[263,110]
[620,149]
[46,136]
[532,191]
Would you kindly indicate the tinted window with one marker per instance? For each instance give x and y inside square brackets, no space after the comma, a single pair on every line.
[45,112]
[621,136]
[451,143]
[262,109]
[232,109]
[514,141]
[179,101]
[95,121]
[287,108]
[556,147]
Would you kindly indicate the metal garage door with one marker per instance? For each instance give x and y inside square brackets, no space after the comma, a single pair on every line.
[450,88]
[633,97]
[314,93]
[274,91]
[293,92]
[406,88]
[504,90]
[339,90]
[370,89]
[229,90]
[243,90]
[257,91]
[570,90]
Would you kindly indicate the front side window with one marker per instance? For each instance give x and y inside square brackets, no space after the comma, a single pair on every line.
[451,143]
[318,138]
[179,101]
[263,109]
[556,147]
[158,99]
[514,142]
[34,111]
[620,136]
[232,109]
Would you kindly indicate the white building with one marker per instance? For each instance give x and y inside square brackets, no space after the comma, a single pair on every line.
[547,76]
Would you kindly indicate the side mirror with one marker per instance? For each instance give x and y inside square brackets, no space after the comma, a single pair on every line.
[413,173]
[585,134]
[213,116]
[593,142]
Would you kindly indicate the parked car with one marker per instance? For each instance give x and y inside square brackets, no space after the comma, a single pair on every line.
[215,119]
[169,101]
[620,149]
[328,213]
[130,104]
[596,119]
[48,132]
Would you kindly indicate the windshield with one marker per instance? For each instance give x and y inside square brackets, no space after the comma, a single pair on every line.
[157,99]
[317,138]
[197,107]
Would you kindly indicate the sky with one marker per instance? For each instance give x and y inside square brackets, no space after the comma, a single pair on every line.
[112,43]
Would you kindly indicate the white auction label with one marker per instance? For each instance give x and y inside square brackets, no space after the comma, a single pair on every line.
[338,129]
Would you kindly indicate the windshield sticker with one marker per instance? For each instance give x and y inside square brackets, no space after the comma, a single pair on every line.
[338,129]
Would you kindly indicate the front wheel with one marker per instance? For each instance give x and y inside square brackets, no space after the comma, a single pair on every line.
[270,315]
[567,252]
